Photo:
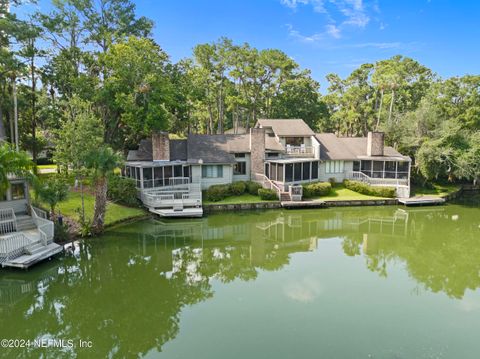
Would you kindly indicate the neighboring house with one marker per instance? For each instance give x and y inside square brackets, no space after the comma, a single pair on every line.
[26,235]
[280,153]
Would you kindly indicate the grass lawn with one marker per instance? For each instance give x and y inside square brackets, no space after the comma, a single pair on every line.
[340,193]
[244,198]
[47,167]
[438,190]
[115,212]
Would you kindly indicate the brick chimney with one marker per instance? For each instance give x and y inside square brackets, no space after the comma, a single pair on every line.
[160,146]
[257,151]
[375,143]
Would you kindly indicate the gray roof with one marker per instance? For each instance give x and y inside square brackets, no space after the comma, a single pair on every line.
[209,149]
[351,148]
[286,127]
[178,151]
[241,143]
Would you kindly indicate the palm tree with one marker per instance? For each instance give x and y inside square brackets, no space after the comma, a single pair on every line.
[101,162]
[14,163]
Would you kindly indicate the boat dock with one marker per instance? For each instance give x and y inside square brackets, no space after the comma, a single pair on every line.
[421,201]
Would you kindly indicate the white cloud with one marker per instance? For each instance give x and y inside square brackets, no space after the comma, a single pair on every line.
[295,34]
[318,5]
[305,290]
[333,31]
[379,45]
[351,12]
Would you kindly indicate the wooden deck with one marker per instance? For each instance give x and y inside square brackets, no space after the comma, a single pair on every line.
[185,212]
[421,201]
[38,254]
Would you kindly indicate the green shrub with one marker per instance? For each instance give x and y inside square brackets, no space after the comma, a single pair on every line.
[217,192]
[253,187]
[267,194]
[238,188]
[60,232]
[122,190]
[363,188]
[316,189]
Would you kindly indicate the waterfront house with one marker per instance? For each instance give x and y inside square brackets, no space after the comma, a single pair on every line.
[281,154]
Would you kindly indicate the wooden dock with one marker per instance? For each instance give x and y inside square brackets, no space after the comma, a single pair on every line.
[421,201]
[184,212]
[38,254]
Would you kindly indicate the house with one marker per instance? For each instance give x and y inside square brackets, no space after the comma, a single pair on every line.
[26,235]
[279,153]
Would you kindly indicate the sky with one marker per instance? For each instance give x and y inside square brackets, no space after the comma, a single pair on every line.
[326,36]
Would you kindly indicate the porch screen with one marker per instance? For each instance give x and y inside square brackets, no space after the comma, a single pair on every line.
[306,171]
[297,174]
[288,172]
[314,170]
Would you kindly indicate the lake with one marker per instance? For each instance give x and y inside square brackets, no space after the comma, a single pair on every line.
[369,282]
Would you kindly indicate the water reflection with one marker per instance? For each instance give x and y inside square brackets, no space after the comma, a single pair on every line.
[127,289]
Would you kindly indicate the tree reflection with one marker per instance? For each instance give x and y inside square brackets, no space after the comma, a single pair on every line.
[126,290]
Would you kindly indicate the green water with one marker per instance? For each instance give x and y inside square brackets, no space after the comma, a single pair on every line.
[330,283]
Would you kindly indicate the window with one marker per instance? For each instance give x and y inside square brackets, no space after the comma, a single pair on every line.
[314,170]
[239,168]
[167,172]
[288,172]
[211,171]
[297,174]
[177,171]
[274,171]
[280,172]
[367,168]
[356,166]
[18,191]
[158,176]
[306,171]
[147,178]
[186,171]
[334,166]
[239,155]
[377,169]
[294,141]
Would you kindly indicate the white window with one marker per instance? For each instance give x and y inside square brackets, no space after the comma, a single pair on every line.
[334,166]
[211,171]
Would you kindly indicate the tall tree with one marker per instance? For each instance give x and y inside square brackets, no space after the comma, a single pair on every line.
[101,161]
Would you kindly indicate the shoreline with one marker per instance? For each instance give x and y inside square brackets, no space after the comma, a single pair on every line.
[316,204]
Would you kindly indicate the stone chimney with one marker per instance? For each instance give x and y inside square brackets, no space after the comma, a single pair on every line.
[375,143]
[257,151]
[160,146]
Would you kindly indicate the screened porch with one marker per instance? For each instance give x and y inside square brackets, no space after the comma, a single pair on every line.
[291,171]
[157,175]
[385,169]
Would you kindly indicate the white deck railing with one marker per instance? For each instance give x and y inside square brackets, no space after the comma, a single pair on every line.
[12,246]
[8,221]
[299,151]
[268,183]
[180,195]
[45,227]
[362,177]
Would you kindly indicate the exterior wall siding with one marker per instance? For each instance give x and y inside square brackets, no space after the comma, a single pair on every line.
[339,177]
[207,182]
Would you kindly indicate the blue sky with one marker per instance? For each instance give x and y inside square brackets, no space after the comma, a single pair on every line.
[327,35]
